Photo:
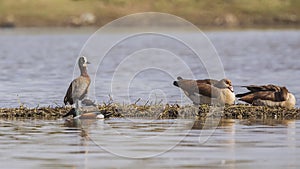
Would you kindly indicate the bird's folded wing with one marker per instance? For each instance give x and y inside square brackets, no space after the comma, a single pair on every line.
[255,88]
[203,87]
[68,96]
[207,81]
[262,95]
[208,90]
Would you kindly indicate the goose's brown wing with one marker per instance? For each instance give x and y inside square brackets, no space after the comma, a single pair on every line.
[207,81]
[255,88]
[197,87]
[265,92]
[262,95]
[208,90]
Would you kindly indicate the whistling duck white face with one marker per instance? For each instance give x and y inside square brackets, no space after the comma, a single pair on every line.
[83,61]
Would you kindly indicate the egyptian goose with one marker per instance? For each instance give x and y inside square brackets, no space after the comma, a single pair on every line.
[78,88]
[207,91]
[268,95]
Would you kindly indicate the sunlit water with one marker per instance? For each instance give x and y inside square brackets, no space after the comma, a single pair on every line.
[37,67]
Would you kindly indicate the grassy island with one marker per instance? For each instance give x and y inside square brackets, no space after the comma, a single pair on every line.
[240,111]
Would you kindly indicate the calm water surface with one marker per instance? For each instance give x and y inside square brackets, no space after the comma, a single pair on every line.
[105,144]
[37,67]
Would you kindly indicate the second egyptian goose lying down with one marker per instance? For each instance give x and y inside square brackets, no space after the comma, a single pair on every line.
[268,95]
[207,91]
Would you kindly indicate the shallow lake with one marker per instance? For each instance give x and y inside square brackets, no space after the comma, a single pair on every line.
[38,65]
[120,143]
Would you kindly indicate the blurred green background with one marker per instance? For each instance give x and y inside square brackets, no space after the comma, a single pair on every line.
[203,13]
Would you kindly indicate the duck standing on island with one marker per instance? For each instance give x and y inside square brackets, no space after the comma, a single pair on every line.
[207,91]
[78,88]
[268,95]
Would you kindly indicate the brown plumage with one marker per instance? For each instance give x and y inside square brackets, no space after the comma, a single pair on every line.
[207,91]
[268,95]
[78,88]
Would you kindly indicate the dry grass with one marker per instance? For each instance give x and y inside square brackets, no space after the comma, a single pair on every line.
[160,111]
[199,12]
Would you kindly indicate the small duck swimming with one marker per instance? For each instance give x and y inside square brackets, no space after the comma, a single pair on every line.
[268,95]
[88,115]
[207,91]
